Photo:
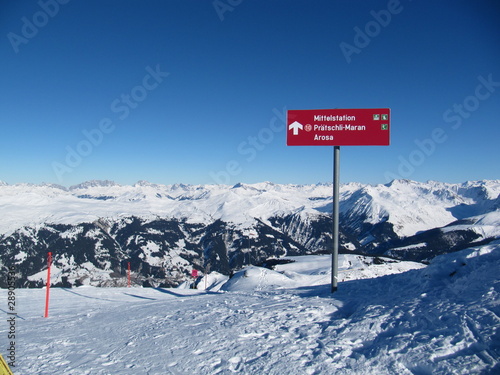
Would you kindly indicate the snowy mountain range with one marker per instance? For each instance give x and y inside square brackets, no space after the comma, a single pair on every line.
[96,228]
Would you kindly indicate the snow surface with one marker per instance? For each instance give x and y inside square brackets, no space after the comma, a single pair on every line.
[439,319]
[487,225]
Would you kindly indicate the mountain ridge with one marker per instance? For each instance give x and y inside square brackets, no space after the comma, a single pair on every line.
[94,228]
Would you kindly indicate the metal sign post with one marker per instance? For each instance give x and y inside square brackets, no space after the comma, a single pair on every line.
[335,216]
[338,127]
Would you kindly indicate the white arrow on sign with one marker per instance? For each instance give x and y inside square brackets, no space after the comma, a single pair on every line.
[295,126]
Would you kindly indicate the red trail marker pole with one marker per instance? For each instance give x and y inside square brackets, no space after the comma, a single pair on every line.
[47,288]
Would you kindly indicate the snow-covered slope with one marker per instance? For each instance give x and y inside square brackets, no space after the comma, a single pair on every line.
[459,234]
[442,319]
[412,207]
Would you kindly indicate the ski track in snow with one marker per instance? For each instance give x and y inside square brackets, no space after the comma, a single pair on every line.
[442,319]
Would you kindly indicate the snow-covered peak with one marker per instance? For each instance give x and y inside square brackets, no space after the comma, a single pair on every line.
[54,186]
[413,206]
[143,183]
[94,183]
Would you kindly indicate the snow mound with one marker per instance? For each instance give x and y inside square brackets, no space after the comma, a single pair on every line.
[465,271]
[311,270]
[211,282]
[258,279]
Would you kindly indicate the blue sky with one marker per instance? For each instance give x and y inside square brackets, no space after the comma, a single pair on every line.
[196,91]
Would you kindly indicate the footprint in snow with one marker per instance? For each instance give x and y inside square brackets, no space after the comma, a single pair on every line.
[236,364]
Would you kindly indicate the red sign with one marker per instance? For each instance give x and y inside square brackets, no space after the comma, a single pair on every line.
[194,274]
[338,127]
